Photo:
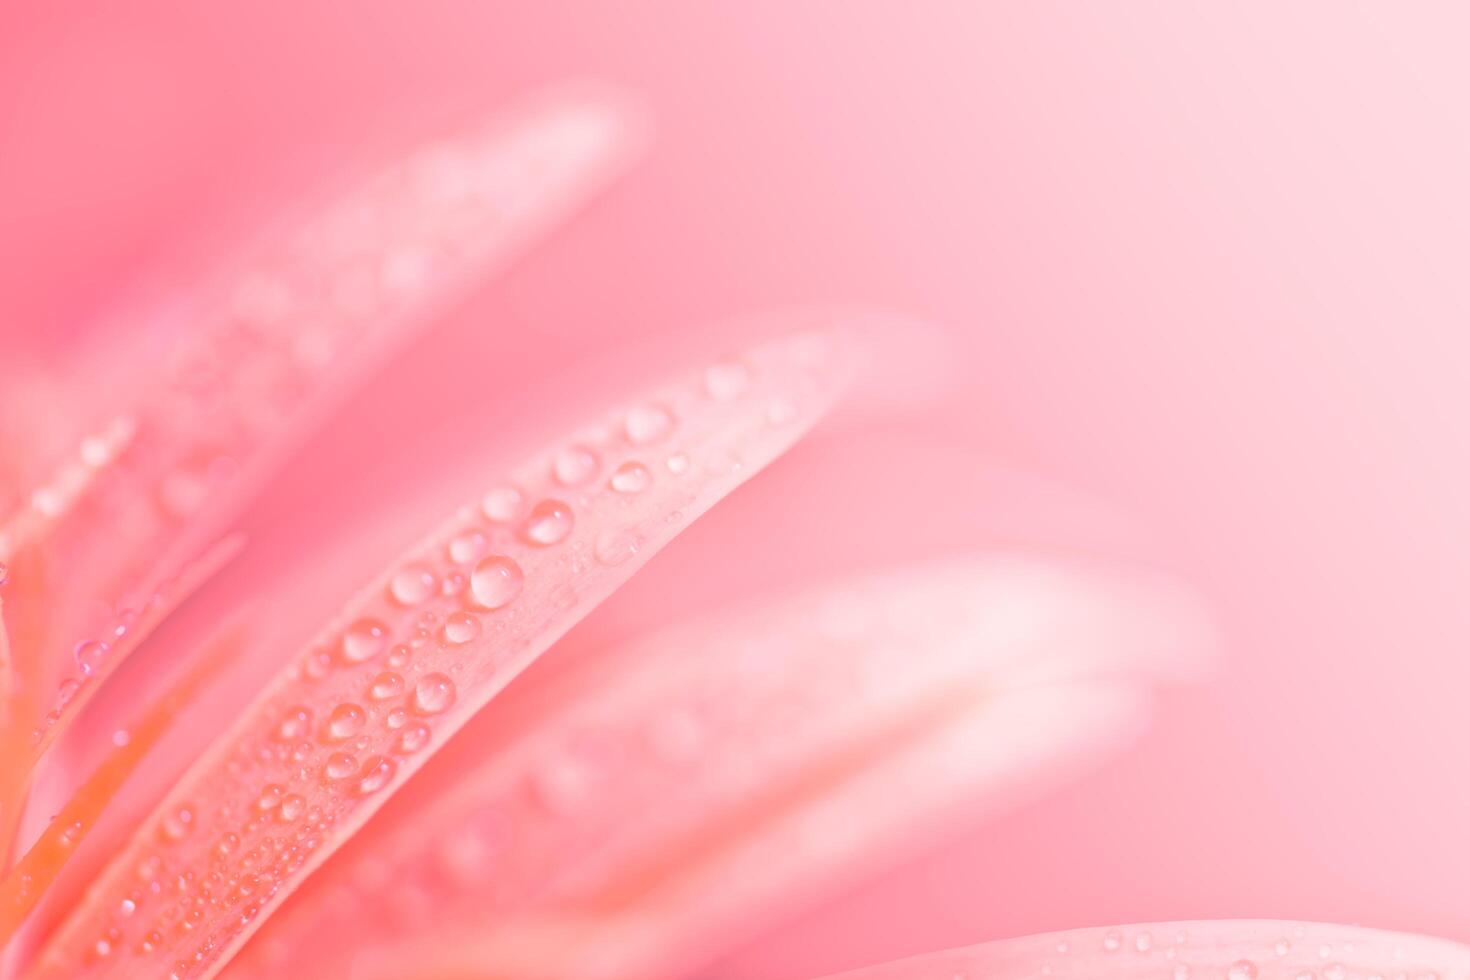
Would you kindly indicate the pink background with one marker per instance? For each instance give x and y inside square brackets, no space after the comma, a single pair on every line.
[1204,265]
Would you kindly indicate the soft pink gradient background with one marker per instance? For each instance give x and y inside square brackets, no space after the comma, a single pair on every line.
[1204,264]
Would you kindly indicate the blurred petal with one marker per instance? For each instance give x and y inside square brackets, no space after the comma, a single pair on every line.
[1230,950]
[421,649]
[644,813]
[192,409]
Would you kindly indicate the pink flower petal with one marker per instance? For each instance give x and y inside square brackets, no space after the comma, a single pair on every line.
[440,633]
[193,416]
[1222,950]
[640,816]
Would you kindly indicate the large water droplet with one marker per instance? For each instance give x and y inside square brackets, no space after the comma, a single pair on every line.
[648,423]
[496,582]
[468,547]
[726,380]
[412,585]
[434,693]
[345,721]
[364,640]
[385,686]
[89,656]
[574,466]
[460,629]
[631,477]
[376,773]
[502,504]
[339,765]
[549,522]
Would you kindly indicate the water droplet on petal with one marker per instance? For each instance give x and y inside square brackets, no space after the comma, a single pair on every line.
[412,585]
[574,465]
[631,477]
[290,808]
[295,724]
[376,773]
[364,640]
[385,686]
[1243,970]
[648,423]
[780,412]
[460,628]
[434,693]
[726,380]
[616,547]
[412,738]
[502,504]
[396,718]
[496,582]
[270,797]
[345,721]
[1112,942]
[339,765]
[678,464]
[468,547]
[176,824]
[89,656]
[549,522]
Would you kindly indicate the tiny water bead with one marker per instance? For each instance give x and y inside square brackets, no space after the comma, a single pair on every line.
[468,547]
[726,380]
[376,773]
[412,585]
[396,719]
[364,640]
[433,694]
[648,423]
[617,546]
[574,466]
[386,686]
[549,522]
[345,721]
[502,505]
[176,824]
[496,581]
[460,629]
[1243,970]
[631,477]
[1112,942]
[678,464]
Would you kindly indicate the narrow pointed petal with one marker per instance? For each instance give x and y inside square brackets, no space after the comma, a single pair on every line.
[1222,950]
[193,410]
[24,884]
[420,650]
[639,817]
